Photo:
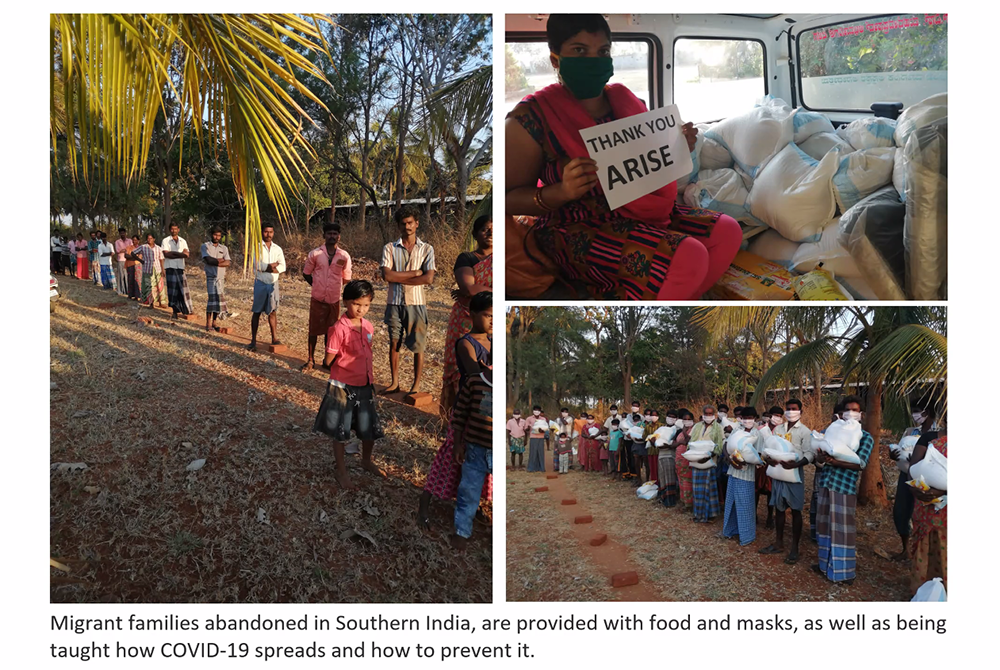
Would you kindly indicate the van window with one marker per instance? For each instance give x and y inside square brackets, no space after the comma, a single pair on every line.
[527,69]
[717,78]
[848,66]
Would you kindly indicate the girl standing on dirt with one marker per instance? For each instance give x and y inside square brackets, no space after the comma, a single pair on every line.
[684,482]
[474,353]
[349,403]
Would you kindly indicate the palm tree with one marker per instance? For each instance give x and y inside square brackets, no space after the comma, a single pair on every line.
[232,76]
[892,352]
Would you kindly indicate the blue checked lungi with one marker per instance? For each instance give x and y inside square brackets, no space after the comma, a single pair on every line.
[704,485]
[265,297]
[107,277]
[741,510]
[177,292]
[836,534]
[216,298]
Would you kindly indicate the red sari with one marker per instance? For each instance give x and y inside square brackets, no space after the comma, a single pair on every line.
[590,450]
[684,482]
[459,323]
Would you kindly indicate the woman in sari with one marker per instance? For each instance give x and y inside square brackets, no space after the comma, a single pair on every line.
[680,442]
[133,270]
[649,249]
[929,536]
[473,352]
[473,274]
[82,257]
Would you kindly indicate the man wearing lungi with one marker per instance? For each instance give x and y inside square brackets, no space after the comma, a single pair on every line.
[837,501]
[789,495]
[216,258]
[270,264]
[121,244]
[95,267]
[105,250]
[326,270]
[175,251]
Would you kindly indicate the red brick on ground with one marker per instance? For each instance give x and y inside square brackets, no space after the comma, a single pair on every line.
[569,501]
[277,348]
[541,489]
[552,476]
[598,540]
[418,399]
[624,579]
[583,519]
[223,330]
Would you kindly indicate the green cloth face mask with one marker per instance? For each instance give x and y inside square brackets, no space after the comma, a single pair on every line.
[585,76]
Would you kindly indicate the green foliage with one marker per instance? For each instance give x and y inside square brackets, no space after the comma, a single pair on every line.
[515,81]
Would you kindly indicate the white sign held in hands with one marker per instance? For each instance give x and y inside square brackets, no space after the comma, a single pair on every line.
[638,154]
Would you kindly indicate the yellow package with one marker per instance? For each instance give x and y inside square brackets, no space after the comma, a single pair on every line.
[818,284]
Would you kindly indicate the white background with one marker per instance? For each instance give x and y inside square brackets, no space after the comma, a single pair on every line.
[973,558]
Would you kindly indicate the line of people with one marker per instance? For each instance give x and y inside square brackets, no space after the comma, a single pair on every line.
[633,447]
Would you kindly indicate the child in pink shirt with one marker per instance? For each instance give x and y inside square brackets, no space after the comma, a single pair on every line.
[349,403]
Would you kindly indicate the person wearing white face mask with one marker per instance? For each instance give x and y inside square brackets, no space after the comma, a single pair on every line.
[537,441]
[626,455]
[612,415]
[684,482]
[789,495]
[667,466]
[902,507]
[705,483]
[740,509]
[566,424]
[515,439]
[837,505]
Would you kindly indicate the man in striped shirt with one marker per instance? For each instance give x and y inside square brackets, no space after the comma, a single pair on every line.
[472,426]
[408,266]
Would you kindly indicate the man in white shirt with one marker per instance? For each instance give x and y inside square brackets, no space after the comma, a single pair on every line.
[105,251]
[175,250]
[270,264]
[788,495]
[55,247]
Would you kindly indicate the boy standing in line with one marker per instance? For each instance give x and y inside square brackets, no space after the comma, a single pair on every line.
[408,266]
[788,495]
[472,425]
[515,439]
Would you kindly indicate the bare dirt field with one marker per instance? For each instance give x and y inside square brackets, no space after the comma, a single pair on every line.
[549,557]
[263,520]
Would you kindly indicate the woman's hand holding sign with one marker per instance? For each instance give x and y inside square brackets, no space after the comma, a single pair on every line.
[578,177]
[690,134]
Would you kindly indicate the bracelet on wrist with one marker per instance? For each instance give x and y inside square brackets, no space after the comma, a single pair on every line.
[540,202]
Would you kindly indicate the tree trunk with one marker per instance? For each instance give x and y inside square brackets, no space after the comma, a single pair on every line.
[627,381]
[872,488]
[555,377]
[463,187]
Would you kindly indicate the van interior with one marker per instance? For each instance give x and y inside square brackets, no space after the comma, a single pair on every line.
[870,89]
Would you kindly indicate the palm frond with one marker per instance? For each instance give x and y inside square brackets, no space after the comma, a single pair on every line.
[796,363]
[910,358]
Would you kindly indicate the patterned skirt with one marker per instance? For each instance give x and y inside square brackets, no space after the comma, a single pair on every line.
[667,468]
[445,473]
[178,296]
[684,481]
[517,445]
[154,294]
[705,486]
[836,534]
[929,545]
[216,303]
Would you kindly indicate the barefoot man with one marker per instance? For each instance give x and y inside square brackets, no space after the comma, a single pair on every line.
[270,264]
[175,251]
[408,266]
[327,268]
[216,257]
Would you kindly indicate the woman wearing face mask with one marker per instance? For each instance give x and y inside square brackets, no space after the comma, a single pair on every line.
[651,248]
[681,440]
[902,507]
[536,441]
[626,461]
[667,467]
[705,482]
[929,551]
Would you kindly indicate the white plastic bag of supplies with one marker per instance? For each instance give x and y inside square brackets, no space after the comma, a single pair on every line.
[664,435]
[869,133]
[846,431]
[931,591]
[635,432]
[755,137]
[807,124]
[933,468]
[861,173]
[794,194]
[828,251]
[837,449]
[921,114]
[925,233]
[741,447]
[775,248]
[720,191]
[647,491]
[872,231]
[821,144]
[781,450]
[540,426]
[905,448]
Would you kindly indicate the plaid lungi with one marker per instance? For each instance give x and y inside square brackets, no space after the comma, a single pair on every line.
[216,297]
[741,510]
[667,463]
[177,291]
[704,485]
[153,291]
[836,534]
[107,277]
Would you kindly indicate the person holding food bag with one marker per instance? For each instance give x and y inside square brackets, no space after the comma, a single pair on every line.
[902,506]
[652,451]
[537,440]
[837,500]
[653,248]
[789,495]
[740,512]
[705,482]
[929,550]
[684,482]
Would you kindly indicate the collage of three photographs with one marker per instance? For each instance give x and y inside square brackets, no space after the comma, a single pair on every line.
[271,297]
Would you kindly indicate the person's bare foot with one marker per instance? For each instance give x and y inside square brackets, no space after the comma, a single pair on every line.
[275,343]
[372,468]
[344,479]
[458,543]
[413,389]
[307,367]
[252,346]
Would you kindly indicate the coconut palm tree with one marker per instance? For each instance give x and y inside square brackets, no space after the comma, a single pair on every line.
[232,76]
[892,352]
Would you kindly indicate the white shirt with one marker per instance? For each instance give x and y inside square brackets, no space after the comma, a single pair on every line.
[179,246]
[103,248]
[268,255]
[55,243]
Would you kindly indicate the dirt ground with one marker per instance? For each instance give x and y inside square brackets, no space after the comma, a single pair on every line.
[263,520]
[549,557]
